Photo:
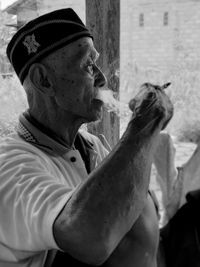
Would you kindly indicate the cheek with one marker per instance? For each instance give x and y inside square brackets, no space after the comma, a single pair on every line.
[66,86]
[67,82]
[75,89]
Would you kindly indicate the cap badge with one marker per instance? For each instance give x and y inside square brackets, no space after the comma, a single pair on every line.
[31,44]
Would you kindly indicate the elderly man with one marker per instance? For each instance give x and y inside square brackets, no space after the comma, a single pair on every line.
[60,190]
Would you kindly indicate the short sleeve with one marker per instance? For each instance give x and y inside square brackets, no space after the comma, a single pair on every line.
[30,200]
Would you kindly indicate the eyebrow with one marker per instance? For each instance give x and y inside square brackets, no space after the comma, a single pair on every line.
[89,51]
[92,54]
[84,52]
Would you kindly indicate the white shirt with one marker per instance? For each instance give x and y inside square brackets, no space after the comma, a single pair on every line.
[37,178]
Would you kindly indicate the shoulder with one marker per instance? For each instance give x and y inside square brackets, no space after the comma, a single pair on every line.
[13,143]
[14,149]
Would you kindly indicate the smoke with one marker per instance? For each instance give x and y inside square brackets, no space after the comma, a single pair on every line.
[111,103]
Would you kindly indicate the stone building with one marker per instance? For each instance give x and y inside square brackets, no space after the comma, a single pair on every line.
[29,9]
[155,34]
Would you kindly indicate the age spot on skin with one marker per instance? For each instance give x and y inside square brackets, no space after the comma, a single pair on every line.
[63,54]
[63,79]
[67,81]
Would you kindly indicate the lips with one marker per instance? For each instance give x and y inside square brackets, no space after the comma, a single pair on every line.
[98,101]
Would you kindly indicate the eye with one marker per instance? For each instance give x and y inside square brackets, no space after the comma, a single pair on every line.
[90,68]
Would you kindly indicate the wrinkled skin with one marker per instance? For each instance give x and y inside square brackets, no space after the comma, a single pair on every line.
[149,99]
[139,247]
[152,110]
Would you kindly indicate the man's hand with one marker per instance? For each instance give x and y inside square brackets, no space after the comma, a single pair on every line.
[105,207]
[151,107]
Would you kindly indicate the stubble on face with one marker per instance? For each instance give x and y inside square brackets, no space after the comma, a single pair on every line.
[74,85]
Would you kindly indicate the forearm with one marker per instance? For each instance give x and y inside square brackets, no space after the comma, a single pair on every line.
[109,202]
[121,182]
[104,208]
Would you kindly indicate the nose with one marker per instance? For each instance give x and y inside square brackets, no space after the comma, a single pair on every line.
[100,78]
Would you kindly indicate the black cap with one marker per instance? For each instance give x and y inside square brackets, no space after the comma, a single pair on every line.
[42,36]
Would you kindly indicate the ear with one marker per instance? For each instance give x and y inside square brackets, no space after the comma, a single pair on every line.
[40,79]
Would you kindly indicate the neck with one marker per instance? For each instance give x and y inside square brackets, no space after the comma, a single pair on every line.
[62,130]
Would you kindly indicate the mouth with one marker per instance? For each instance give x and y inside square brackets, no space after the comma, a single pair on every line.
[98,101]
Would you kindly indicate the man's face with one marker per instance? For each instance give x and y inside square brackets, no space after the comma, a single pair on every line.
[77,80]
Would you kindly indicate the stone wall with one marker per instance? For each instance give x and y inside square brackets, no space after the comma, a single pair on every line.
[187,40]
[45,6]
[153,46]
[33,8]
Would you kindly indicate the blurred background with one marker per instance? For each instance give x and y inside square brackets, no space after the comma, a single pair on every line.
[159,43]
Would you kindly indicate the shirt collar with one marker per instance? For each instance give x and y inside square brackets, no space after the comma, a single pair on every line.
[34,135]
